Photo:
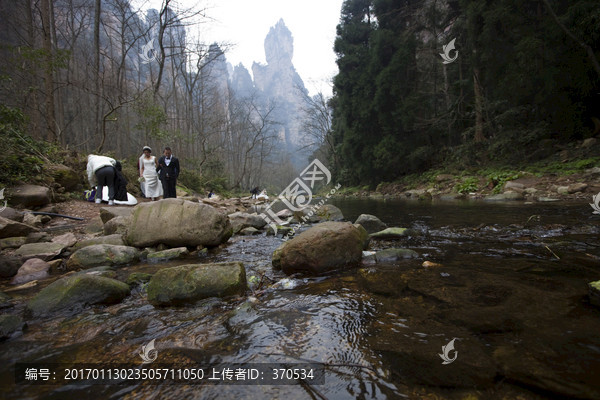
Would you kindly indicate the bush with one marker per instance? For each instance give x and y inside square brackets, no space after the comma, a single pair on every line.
[467,185]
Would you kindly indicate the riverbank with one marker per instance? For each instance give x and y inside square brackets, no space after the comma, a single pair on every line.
[482,184]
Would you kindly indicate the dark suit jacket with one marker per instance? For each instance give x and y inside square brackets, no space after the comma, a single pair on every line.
[172,170]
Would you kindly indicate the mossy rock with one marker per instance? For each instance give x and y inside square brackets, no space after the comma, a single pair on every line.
[137,278]
[189,283]
[77,291]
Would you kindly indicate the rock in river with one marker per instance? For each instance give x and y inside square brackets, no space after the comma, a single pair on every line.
[392,233]
[77,291]
[102,254]
[177,222]
[189,283]
[371,223]
[325,247]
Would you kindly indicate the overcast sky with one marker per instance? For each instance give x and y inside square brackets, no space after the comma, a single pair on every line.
[245,24]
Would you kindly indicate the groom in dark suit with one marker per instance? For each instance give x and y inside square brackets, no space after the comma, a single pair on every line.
[168,171]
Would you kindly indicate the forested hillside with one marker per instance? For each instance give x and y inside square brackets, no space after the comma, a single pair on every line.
[102,76]
[526,79]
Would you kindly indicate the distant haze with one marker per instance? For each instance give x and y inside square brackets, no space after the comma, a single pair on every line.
[245,25]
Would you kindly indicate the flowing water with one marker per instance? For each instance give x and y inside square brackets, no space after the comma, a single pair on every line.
[511,289]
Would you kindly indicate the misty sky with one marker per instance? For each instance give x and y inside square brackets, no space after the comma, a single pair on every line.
[245,24]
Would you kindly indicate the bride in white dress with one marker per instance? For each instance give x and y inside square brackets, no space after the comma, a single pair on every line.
[148,171]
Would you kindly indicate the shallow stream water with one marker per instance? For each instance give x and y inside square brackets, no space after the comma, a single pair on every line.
[511,290]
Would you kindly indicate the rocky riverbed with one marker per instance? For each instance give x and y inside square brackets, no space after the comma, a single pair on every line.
[372,302]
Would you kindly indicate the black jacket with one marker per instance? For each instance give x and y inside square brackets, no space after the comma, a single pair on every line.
[168,172]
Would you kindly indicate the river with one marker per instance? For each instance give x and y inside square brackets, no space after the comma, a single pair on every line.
[510,289]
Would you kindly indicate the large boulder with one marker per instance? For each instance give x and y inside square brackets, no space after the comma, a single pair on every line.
[241,220]
[10,228]
[110,239]
[177,222]
[30,196]
[74,292]
[325,247]
[33,269]
[370,222]
[45,250]
[102,254]
[65,176]
[189,283]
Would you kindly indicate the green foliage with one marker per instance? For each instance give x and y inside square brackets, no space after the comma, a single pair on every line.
[498,179]
[468,184]
[23,157]
[398,110]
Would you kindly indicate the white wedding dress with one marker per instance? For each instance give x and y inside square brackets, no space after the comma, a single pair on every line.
[153,184]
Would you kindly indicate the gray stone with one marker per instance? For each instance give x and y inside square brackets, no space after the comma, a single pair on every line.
[137,278]
[108,213]
[39,237]
[176,222]
[443,177]
[116,240]
[117,225]
[68,239]
[577,187]
[45,250]
[393,233]
[10,324]
[33,220]
[325,247]
[30,196]
[562,190]
[77,291]
[105,271]
[33,269]
[249,231]
[530,190]
[189,283]
[169,254]
[514,185]
[102,254]
[10,228]
[240,220]
[371,223]
[12,242]
[12,214]
[9,266]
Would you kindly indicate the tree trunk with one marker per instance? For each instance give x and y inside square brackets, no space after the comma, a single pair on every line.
[96,69]
[48,74]
[479,137]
